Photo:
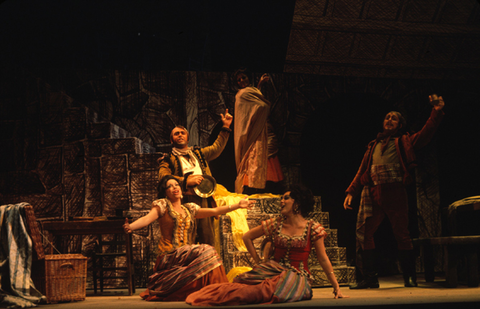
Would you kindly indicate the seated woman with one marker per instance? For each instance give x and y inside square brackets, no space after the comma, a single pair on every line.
[284,277]
[181,267]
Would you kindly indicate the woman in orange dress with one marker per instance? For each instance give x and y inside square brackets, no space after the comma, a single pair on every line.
[181,267]
[284,277]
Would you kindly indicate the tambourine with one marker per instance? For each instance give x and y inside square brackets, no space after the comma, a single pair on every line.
[207,187]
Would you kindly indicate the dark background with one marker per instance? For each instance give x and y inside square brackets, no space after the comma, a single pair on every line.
[147,34]
[220,36]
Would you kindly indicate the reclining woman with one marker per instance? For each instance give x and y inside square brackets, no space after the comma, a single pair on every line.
[285,276]
[181,267]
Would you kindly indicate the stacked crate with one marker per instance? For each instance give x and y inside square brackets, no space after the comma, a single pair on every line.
[266,208]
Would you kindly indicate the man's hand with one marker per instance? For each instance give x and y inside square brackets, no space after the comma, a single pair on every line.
[265,78]
[227,119]
[348,202]
[194,180]
[439,106]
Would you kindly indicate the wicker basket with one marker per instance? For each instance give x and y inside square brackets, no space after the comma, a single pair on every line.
[63,278]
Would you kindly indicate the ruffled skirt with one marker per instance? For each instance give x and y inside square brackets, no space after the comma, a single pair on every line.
[266,283]
[183,271]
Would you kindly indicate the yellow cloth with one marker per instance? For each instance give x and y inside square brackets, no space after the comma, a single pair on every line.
[264,195]
[238,217]
[237,271]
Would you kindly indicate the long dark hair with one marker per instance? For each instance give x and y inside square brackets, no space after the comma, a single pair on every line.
[303,196]
[162,185]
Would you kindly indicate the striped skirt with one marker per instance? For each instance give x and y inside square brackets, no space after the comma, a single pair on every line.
[266,283]
[183,271]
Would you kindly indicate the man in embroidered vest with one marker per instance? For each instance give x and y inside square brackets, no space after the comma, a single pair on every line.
[189,164]
[381,179]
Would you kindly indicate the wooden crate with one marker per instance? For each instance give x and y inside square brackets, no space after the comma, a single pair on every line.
[61,277]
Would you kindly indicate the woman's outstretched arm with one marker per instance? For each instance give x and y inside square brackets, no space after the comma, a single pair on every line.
[210,212]
[141,222]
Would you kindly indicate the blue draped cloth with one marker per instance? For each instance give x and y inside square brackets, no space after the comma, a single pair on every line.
[16,259]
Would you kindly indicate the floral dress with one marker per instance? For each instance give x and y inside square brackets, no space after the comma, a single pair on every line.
[283,278]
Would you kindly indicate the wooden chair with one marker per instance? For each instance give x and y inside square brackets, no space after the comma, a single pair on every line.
[107,262]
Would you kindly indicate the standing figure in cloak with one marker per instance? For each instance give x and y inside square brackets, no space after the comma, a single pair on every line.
[255,142]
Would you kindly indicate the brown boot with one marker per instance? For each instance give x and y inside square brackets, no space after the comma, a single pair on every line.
[407,262]
[370,276]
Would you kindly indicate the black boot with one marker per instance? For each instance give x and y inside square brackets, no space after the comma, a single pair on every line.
[407,262]
[370,276]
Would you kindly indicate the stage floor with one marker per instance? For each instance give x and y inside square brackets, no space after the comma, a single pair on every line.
[390,294]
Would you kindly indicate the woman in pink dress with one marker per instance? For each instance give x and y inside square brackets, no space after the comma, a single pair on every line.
[284,276]
[181,267]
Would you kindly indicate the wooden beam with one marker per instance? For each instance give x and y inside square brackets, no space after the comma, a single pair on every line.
[320,60]
[302,22]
